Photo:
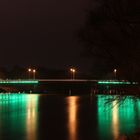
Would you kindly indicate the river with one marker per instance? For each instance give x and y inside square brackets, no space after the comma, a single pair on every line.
[52,117]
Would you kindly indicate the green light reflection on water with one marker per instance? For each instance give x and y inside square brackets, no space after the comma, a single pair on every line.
[18,115]
[115,119]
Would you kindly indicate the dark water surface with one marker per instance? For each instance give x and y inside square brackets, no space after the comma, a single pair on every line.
[54,117]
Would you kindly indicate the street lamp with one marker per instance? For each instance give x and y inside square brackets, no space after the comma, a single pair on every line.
[34,72]
[29,72]
[115,73]
[73,71]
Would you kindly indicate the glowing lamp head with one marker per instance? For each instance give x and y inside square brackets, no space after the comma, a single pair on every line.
[34,71]
[115,70]
[73,70]
[29,70]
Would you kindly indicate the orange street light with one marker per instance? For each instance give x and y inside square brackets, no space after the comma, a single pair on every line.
[29,72]
[73,71]
[34,72]
[115,73]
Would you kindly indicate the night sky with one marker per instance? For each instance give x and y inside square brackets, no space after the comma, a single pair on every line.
[42,33]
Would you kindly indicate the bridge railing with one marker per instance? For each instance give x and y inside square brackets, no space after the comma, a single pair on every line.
[19,81]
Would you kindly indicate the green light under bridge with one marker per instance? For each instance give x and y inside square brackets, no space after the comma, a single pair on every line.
[117,83]
[19,82]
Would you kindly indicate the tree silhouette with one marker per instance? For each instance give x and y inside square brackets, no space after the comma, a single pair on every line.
[112,37]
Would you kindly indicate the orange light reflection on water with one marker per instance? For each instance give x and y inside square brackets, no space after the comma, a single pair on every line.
[31,120]
[72,117]
[115,120]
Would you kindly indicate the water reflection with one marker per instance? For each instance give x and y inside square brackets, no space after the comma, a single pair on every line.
[72,117]
[115,119]
[18,116]
[30,117]
[31,120]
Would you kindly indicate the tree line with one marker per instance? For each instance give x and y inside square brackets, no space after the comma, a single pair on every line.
[111,37]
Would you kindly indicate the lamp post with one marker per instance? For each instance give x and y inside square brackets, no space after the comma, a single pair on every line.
[73,71]
[115,73]
[34,72]
[29,72]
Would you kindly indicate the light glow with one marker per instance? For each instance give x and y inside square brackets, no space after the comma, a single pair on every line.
[19,81]
[117,82]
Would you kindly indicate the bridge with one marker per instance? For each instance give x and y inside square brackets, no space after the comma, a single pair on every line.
[60,85]
[37,81]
